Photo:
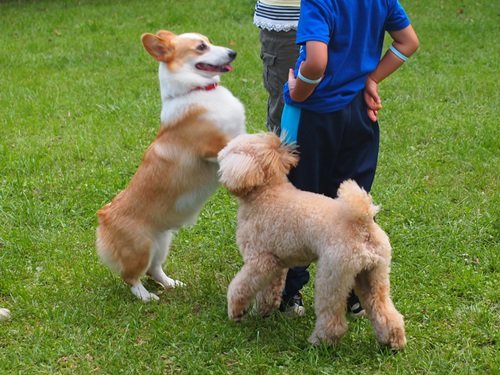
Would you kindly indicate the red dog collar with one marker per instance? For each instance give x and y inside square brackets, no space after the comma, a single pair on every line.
[212,86]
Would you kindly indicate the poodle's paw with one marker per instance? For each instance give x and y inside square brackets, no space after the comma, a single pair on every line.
[237,317]
[314,339]
[4,314]
[397,338]
[328,332]
[266,303]
[254,312]
[264,311]
[143,294]
[392,332]
[236,314]
[317,339]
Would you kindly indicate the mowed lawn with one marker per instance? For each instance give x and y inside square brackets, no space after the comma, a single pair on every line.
[79,104]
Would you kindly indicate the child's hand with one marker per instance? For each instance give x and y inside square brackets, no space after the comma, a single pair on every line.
[372,99]
[292,81]
[299,91]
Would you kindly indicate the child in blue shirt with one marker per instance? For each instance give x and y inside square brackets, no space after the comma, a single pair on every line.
[332,100]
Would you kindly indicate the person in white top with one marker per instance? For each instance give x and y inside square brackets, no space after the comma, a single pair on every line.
[277,21]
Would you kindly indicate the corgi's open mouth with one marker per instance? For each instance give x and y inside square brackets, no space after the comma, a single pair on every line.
[214,68]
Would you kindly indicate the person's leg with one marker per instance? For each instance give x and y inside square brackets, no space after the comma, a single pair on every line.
[296,278]
[354,305]
[279,53]
[357,160]
[358,155]
[315,137]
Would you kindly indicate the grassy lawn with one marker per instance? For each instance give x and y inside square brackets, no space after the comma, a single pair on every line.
[79,103]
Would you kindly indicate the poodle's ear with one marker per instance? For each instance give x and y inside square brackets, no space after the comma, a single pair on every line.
[239,173]
[159,46]
[277,158]
[288,155]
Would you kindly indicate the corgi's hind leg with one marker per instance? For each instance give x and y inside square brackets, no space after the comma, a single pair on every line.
[132,268]
[160,253]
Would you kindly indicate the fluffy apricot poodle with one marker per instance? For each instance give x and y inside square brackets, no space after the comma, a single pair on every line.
[280,227]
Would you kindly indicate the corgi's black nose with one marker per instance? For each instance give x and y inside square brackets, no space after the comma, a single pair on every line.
[232,54]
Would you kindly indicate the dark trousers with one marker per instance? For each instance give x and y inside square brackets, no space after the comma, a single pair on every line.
[333,147]
[279,53]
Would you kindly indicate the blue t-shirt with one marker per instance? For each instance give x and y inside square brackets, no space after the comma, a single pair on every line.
[354,32]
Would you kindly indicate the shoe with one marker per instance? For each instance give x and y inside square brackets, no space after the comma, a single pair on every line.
[356,310]
[294,307]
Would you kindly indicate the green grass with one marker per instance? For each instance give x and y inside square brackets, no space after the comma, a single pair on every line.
[79,103]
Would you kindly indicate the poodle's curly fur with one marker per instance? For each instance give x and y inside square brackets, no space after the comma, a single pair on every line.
[280,227]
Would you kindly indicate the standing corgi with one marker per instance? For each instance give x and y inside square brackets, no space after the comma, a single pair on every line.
[179,169]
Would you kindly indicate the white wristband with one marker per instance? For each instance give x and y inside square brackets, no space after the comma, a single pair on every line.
[307,80]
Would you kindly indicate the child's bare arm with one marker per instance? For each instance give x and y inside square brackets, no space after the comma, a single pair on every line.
[404,45]
[311,70]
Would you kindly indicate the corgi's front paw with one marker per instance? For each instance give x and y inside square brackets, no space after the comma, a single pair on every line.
[143,294]
[170,283]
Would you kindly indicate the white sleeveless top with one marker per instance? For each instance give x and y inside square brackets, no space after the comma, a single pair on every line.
[277,15]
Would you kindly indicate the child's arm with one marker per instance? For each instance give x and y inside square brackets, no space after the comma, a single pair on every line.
[311,70]
[405,43]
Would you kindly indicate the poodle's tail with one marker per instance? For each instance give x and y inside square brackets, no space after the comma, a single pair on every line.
[358,200]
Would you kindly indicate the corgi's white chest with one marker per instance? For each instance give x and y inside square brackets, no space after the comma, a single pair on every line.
[223,109]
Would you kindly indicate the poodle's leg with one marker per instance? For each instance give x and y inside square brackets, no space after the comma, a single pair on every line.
[255,274]
[269,299]
[332,285]
[372,287]
[160,252]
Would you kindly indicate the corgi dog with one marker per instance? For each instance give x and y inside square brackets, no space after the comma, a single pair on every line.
[179,170]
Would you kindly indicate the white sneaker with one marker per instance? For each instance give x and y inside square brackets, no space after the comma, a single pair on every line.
[294,308]
[4,314]
[356,310]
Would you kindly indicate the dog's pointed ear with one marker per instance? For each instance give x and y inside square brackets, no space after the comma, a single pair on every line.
[239,173]
[160,45]
[165,35]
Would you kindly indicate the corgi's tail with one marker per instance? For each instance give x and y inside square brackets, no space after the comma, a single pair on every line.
[358,200]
